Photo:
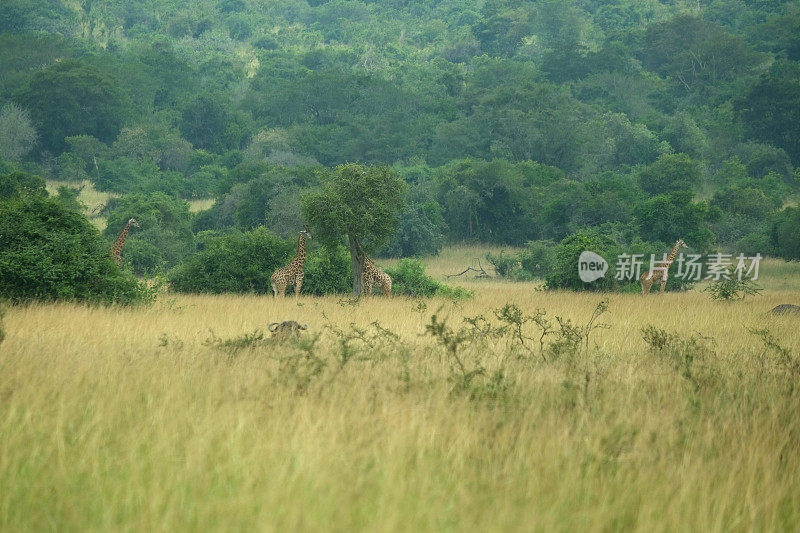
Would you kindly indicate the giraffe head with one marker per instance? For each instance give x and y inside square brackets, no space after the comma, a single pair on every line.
[681,244]
[133,223]
[307,233]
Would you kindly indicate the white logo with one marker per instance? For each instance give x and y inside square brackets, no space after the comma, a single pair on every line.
[591,266]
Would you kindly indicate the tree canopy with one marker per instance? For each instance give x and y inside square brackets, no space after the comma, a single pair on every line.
[363,203]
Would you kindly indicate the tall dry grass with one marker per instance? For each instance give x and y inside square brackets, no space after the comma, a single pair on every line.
[180,416]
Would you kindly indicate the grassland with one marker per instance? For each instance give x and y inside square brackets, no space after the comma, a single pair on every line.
[183,416]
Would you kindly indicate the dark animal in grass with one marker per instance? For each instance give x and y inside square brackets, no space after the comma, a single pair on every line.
[784,309]
[287,329]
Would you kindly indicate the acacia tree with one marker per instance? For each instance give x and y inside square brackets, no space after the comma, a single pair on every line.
[362,202]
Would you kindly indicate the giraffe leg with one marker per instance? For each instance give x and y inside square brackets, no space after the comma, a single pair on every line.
[367,288]
[645,285]
[387,287]
[298,284]
[663,286]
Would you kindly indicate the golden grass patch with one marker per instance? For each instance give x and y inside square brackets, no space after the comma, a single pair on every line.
[180,416]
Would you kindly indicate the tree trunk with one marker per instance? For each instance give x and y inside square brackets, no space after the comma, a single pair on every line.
[357,258]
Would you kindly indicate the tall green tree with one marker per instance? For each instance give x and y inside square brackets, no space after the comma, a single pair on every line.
[771,108]
[73,98]
[362,202]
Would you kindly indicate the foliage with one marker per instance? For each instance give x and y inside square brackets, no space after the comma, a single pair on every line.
[492,200]
[688,355]
[505,265]
[538,258]
[409,278]
[565,273]
[358,201]
[668,217]
[745,201]
[165,237]
[420,231]
[328,271]
[74,98]
[783,234]
[769,110]
[730,287]
[361,202]
[207,123]
[51,252]
[512,121]
[17,136]
[670,173]
[237,262]
[21,184]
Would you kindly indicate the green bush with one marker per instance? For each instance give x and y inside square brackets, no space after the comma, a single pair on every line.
[420,232]
[328,271]
[409,278]
[783,234]
[743,201]
[505,265]
[733,288]
[21,184]
[538,259]
[51,252]
[565,269]
[165,236]
[670,173]
[237,262]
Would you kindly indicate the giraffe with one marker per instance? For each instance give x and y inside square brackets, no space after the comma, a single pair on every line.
[373,274]
[119,244]
[292,274]
[660,272]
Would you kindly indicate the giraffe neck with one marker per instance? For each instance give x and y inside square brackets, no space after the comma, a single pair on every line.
[120,242]
[300,256]
[673,253]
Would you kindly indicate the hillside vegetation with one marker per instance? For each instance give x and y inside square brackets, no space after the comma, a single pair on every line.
[512,121]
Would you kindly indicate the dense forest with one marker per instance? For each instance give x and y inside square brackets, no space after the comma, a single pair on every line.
[512,122]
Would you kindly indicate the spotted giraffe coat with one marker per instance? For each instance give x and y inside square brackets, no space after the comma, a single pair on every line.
[291,274]
[373,275]
[660,272]
[119,244]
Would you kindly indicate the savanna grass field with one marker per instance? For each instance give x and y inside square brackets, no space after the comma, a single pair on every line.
[672,412]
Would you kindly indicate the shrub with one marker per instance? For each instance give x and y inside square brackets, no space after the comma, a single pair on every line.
[328,271]
[165,237]
[669,216]
[783,233]
[733,288]
[670,173]
[565,269]
[506,266]
[753,243]
[237,262]
[51,252]
[21,184]
[743,201]
[420,232]
[409,278]
[538,258]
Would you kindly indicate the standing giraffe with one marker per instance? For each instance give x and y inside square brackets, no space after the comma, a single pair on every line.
[119,244]
[292,274]
[660,272]
[373,274]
